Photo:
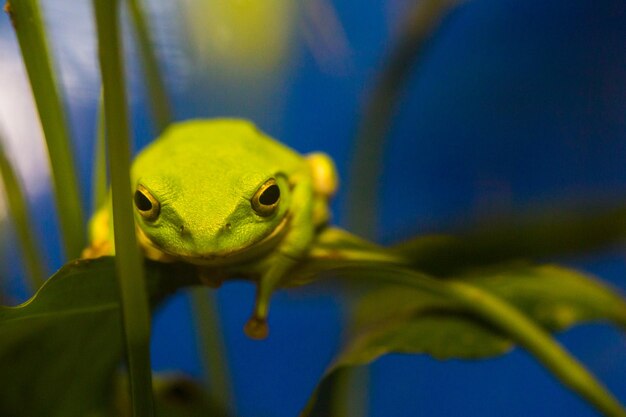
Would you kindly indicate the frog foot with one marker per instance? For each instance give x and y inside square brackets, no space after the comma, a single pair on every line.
[256,328]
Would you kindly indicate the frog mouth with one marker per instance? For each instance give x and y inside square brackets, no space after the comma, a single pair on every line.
[244,254]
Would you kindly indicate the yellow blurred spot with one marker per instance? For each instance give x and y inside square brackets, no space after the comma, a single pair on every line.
[250,37]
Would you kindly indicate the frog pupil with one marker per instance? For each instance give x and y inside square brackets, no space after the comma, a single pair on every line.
[142,202]
[270,195]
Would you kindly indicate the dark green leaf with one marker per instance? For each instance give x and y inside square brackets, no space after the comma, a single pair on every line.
[60,349]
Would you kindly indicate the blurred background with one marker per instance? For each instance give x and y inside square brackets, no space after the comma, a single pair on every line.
[513,106]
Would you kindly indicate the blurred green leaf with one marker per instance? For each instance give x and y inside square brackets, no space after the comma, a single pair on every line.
[551,231]
[60,349]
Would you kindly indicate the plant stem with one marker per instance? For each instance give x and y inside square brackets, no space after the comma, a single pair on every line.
[211,346]
[521,329]
[210,342]
[21,219]
[128,260]
[99,183]
[349,392]
[159,102]
[28,24]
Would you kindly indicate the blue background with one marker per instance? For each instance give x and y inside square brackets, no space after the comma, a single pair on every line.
[515,104]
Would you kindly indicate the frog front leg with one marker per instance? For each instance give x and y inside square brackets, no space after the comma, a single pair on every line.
[291,251]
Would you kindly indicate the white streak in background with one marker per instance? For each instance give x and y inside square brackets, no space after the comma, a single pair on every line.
[326,38]
[165,19]
[19,122]
[71,38]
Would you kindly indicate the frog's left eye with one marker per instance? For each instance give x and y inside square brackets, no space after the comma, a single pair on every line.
[146,204]
[265,200]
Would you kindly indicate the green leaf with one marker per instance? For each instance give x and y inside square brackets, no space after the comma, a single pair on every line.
[442,335]
[399,319]
[60,349]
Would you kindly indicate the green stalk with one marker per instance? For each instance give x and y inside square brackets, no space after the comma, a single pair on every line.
[159,103]
[211,346]
[210,341]
[99,183]
[366,164]
[128,260]
[19,213]
[28,24]
[349,392]
[521,329]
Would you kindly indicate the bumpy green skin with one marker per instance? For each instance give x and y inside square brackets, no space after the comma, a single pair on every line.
[204,174]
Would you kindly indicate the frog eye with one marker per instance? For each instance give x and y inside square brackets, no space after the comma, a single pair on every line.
[146,204]
[265,200]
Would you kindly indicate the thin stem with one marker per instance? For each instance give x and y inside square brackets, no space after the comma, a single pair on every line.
[349,392]
[128,260]
[99,182]
[28,24]
[21,219]
[159,102]
[521,329]
[366,165]
[211,346]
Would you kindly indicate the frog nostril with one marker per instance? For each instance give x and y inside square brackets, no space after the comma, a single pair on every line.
[184,232]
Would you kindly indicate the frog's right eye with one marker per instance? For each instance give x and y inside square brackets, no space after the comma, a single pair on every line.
[146,204]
